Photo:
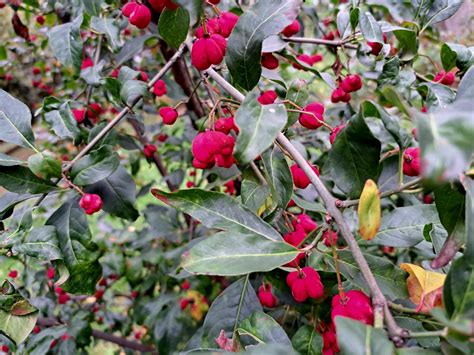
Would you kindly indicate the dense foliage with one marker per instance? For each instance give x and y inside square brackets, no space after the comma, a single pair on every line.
[267,177]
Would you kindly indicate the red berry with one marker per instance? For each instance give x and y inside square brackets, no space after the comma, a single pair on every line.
[267,97]
[94,111]
[138,14]
[357,306]
[229,187]
[40,19]
[134,294]
[428,199]
[63,298]
[269,61]
[335,132]
[9,77]
[168,114]
[13,274]
[162,137]
[330,346]
[351,83]
[304,223]
[87,63]
[315,119]
[91,203]
[143,76]
[300,179]
[266,297]
[330,238]
[159,5]
[102,282]
[99,294]
[295,238]
[159,88]
[305,284]
[36,70]
[227,21]
[186,285]
[53,343]
[411,162]
[339,95]
[79,115]
[189,184]
[115,73]
[305,59]
[59,290]
[291,29]
[149,150]
[424,109]
[445,78]
[35,83]
[212,27]
[183,303]
[329,36]
[211,148]
[225,125]
[207,51]
[50,273]
[36,329]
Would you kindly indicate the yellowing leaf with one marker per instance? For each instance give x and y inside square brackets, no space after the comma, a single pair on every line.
[198,304]
[425,287]
[369,210]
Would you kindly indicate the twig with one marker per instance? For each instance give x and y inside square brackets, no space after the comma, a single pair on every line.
[379,301]
[349,203]
[125,343]
[435,333]
[323,42]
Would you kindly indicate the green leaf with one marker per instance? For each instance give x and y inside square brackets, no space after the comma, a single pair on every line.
[173,26]
[223,311]
[403,227]
[9,200]
[20,179]
[131,48]
[307,341]
[436,11]
[354,157]
[17,316]
[468,184]
[230,253]
[456,55]
[62,122]
[217,210]
[95,166]
[264,329]
[458,291]
[445,138]
[41,243]
[391,94]
[44,166]
[438,95]
[356,338]
[118,192]
[244,47]
[92,7]
[278,176]
[407,43]
[8,160]
[15,121]
[79,252]
[259,126]
[309,206]
[369,27]
[466,86]
[254,195]
[343,23]
[297,93]
[390,278]
[109,28]
[132,90]
[66,43]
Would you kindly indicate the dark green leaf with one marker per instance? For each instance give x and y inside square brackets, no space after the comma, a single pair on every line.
[309,206]
[173,26]
[131,48]
[254,195]
[356,338]
[95,166]
[244,47]
[230,253]
[223,311]
[8,160]
[259,126]
[92,7]
[79,252]
[436,11]
[407,43]
[15,121]
[118,192]
[9,200]
[369,27]
[132,90]
[264,329]
[354,157]
[458,291]
[44,166]
[217,210]
[66,43]
[17,315]
[438,95]
[41,243]
[109,28]
[468,184]
[307,341]
[278,176]
[403,227]
[446,140]
[62,122]
[20,179]
[456,55]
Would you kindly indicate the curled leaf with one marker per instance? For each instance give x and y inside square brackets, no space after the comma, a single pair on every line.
[369,210]
[425,287]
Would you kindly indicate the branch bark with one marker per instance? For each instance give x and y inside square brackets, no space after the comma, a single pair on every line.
[320,41]
[379,301]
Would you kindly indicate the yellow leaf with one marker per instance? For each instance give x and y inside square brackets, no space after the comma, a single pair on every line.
[369,210]
[424,287]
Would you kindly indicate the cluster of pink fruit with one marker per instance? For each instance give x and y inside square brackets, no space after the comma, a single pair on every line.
[350,83]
